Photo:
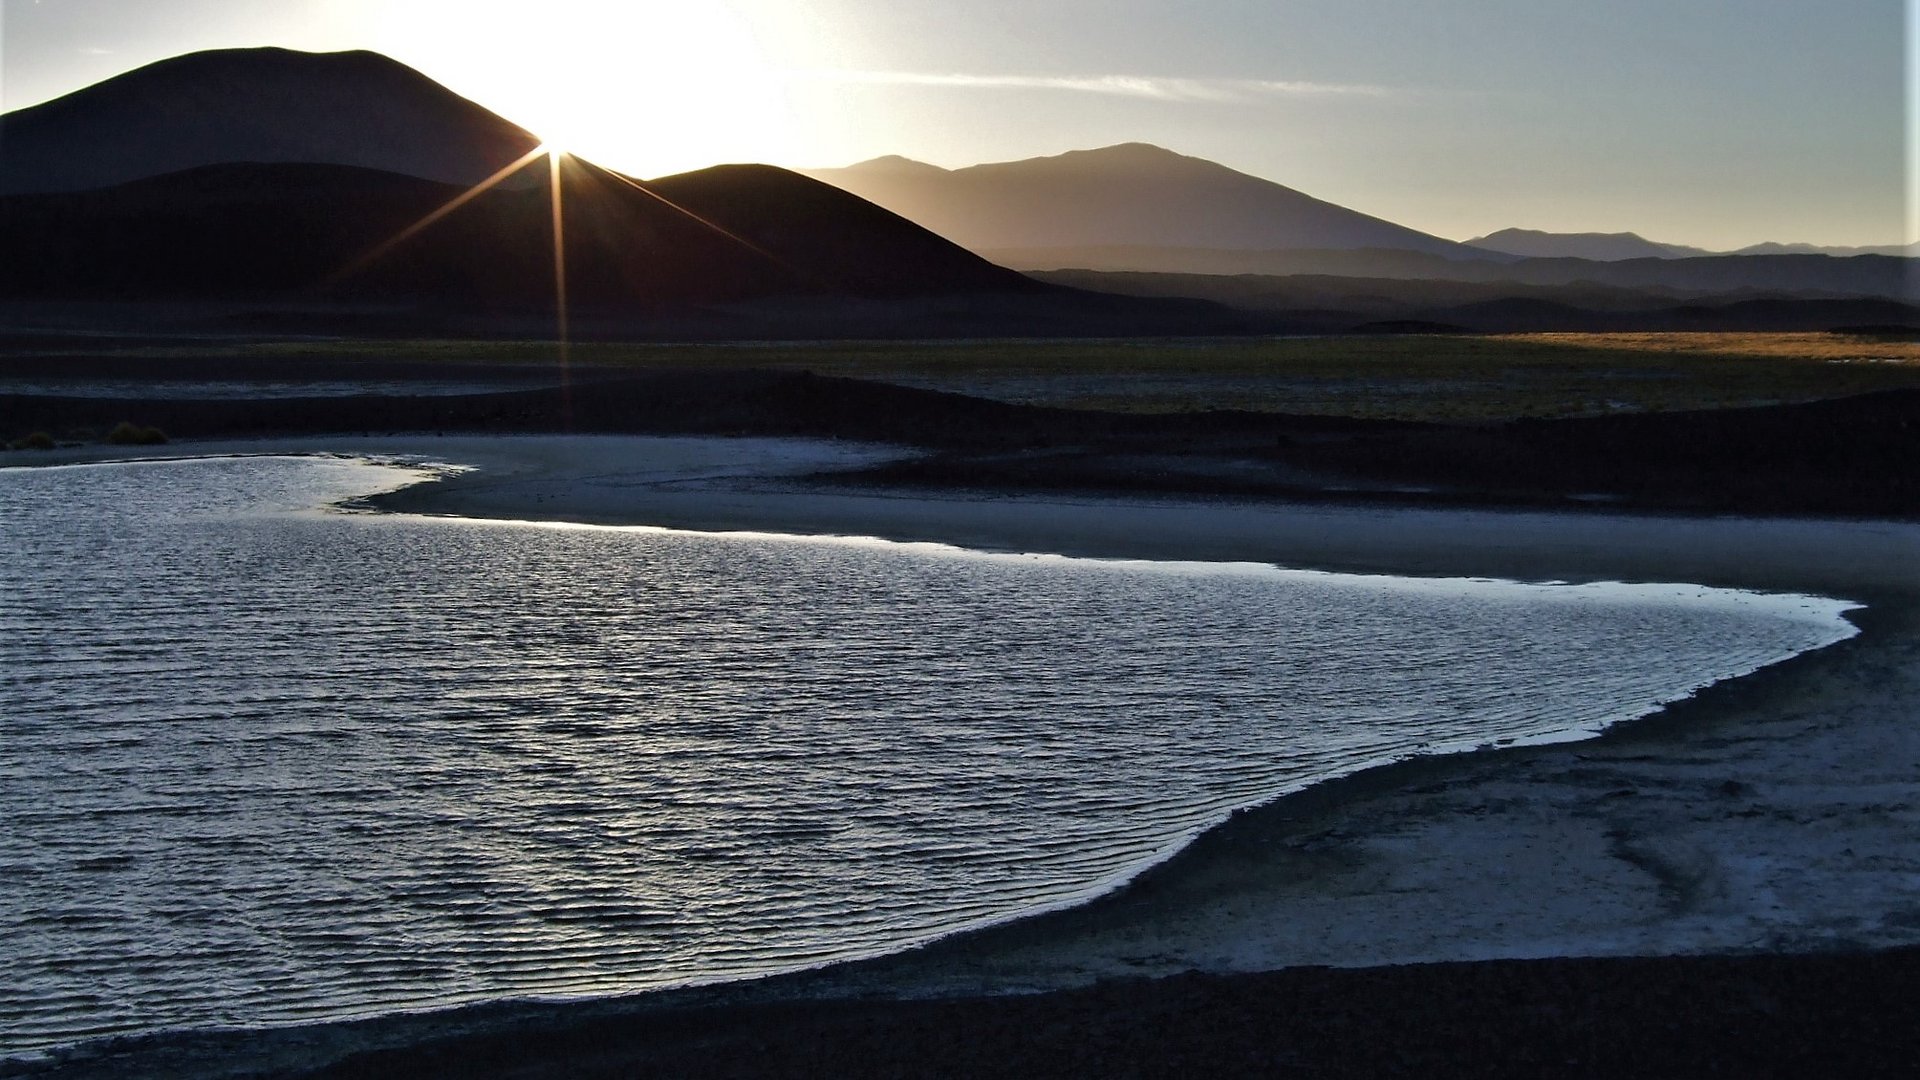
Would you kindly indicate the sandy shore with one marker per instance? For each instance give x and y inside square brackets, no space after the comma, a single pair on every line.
[1772,813]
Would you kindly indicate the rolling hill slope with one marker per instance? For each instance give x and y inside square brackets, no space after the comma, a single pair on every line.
[323,232]
[255,106]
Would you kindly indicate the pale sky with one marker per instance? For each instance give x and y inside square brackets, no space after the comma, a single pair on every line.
[1718,123]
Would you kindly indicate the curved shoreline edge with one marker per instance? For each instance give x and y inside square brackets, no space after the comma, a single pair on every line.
[1681,832]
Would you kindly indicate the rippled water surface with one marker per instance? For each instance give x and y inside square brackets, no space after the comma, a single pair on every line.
[261,763]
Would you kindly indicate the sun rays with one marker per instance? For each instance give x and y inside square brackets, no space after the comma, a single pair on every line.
[562,170]
[557,198]
[386,247]
[677,208]
[704,75]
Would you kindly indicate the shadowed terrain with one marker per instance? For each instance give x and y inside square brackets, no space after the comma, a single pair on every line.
[316,232]
[1694,1016]
[1332,303]
[1858,455]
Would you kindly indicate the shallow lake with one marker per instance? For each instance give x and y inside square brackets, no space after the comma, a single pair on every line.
[265,763]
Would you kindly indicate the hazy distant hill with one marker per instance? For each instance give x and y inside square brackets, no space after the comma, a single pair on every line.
[1354,262]
[1859,275]
[1128,195]
[1614,247]
[1600,247]
[1902,250]
[254,105]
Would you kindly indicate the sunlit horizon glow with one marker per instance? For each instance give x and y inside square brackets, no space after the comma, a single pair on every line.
[647,89]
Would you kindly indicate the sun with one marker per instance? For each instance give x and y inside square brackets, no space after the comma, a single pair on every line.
[646,88]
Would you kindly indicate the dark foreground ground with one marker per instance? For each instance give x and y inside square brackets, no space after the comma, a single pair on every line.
[1852,456]
[1829,1015]
[1756,1016]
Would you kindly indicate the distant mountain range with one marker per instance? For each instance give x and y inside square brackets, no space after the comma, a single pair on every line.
[1600,247]
[325,182]
[1128,195]
[1614,247]
[271,176]
[1136,208]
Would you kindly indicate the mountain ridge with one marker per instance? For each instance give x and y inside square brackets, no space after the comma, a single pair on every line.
[342,178]
[1127,194]
[1597,246]
[252,230]
[266,105]
[1617,247]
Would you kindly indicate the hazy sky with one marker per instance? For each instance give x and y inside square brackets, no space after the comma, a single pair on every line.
[1711,122]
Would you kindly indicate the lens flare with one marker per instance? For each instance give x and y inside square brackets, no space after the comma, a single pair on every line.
[735,237]
[559,165]
[555,186]
[427,222]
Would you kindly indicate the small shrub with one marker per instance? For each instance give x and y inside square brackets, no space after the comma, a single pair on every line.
[39,440]
[127,433]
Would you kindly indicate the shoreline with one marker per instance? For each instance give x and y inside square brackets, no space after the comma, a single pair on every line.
[1338,862]
[786,486]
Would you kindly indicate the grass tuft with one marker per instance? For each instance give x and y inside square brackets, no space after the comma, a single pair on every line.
[128,433]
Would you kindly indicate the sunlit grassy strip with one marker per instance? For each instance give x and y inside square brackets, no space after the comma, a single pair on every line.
[1805,346]
[1431,378]
[1207,355]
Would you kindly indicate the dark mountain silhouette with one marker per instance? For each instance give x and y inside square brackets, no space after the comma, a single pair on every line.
[286,231]
[281,180]
[254,105]
[1600,247]
[1133,194]
[295,185]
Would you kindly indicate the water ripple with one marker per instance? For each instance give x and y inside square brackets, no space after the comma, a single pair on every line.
[264,765]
